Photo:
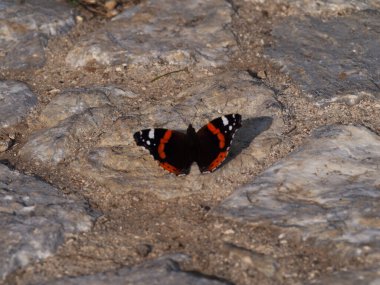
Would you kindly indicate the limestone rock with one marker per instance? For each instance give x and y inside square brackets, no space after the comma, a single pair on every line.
[16,101]
[164,32]
[90,135]
[331,60]
[5,142]
[264,264]
[117,163]
[160,271]
[34,219]
[78,100]
[327,189]
[25,27]
[357,277]
[316,8]
[61,142]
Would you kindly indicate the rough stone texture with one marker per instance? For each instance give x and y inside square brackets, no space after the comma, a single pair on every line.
[25,27]
[358,277]
[5,142]
[328,189]
[16,101]
[311,218]
[92,138]
[74,119]
[161,271]
[58,144]
[76,101]
[331,60]
[333,6]
[316,8]
[164,32]
[265,264]
[34,219]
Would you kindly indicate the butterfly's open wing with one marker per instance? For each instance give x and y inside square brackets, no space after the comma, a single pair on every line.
[169,147]
[215,140]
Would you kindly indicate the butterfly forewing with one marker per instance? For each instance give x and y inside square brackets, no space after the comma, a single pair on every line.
[169,147]
[214,141]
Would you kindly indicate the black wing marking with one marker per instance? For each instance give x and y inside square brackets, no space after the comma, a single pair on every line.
[168,147]
[215,140]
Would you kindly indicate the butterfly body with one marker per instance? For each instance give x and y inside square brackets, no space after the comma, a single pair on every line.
[176,151]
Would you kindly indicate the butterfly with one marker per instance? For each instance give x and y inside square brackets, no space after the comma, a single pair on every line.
[176,151]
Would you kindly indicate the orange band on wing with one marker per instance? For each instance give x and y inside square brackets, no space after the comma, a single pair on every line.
[170,168]
[217,132]
[163,141]
[217,161]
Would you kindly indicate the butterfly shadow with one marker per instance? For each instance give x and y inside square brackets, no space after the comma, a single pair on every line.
[250,129]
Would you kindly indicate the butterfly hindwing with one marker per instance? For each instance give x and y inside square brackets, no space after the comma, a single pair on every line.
[168,147]
[215,140]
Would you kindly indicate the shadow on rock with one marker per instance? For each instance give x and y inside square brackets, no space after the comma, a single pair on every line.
[250,129]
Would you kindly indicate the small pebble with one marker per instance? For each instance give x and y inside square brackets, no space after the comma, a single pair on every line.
[110,5]
[79,19]
[5,143]
[261,74]
[143,249]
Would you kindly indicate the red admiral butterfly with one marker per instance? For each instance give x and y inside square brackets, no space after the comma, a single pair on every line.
[176,151]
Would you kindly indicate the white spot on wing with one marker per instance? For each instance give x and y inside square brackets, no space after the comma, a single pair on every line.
[148,142]
[151,134]
[230,127]
[225,121]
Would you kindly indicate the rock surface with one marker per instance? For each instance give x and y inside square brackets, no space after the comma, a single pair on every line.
[60,143]
[161,271]
[308,213]
[316,8]
[158,33]
[16,101]
[5,142]
[334,197]
[359,277]
[25,27]
[76,101]
[113,159]
[35,218]
[331,60]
